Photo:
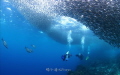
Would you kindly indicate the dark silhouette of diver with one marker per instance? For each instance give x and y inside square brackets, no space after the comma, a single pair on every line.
[4,43]
[66,56]
[80,56]
[28,50]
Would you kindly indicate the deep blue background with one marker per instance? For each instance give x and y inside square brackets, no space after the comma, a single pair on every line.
[18,33]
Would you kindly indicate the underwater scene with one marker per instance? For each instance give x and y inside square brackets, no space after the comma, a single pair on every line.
[59,37]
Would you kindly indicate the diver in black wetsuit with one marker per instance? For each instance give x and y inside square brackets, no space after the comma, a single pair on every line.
[4,43]
[80,56]
[66,56]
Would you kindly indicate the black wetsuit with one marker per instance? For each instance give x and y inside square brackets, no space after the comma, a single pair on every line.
[80,56]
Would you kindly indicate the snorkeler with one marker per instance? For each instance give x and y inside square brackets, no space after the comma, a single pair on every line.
[4,43]
[28,50]
[66,56]
[80,56]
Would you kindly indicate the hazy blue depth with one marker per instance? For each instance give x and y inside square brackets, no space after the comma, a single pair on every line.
[19,33]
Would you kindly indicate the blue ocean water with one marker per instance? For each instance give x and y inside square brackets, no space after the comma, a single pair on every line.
[46,56]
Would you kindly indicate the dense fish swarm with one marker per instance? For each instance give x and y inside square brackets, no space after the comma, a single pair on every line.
[101,16]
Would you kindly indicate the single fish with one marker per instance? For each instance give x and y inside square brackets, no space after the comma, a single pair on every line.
[33,46]
[4,43]
[28,50]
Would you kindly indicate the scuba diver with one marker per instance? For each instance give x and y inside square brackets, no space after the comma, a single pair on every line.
[66,56]
[4,43]
[80,56]
[28,50]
